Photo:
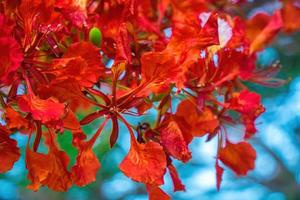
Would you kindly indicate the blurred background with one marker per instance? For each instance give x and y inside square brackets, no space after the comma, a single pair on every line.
[277,172]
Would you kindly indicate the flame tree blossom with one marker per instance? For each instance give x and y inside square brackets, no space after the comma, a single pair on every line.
[60,53]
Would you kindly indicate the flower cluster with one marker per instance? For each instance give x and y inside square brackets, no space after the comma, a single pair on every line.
[111,58]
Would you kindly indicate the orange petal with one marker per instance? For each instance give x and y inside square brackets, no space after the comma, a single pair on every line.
[268,33]
[178,186]
[290,12]
[9,152]
[155,193]
[86,167]
[71,122]
[250,107]
[239,157]
[43,110]
[48,169]
[10,58]
[145,163]
[173,141]
[15,120]
[199,122]
[219,174]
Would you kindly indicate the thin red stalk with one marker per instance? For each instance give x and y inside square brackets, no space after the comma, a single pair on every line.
[114,91]
[38,136]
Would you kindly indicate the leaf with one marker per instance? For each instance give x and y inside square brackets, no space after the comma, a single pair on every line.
[165,104]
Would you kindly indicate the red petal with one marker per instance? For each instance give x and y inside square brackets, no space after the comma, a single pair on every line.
[290,12]
[178,186]
[86,167]
[43,110]
[219,174]
[81,62]
[199,122]
[155,193]
[74,10]
[247,102]
[145,163]
[123,45]
[9,153]
[10,58]
[239,157]
[159,67]
[15,120]
[268,33]
[67,90]
[249,105]
[71,122]
[173,141]
[48,169]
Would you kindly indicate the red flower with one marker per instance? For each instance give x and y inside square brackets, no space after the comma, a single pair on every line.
[152,54]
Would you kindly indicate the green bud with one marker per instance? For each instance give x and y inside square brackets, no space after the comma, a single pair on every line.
[95,36]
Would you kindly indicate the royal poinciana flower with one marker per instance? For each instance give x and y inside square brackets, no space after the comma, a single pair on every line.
[139,55]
